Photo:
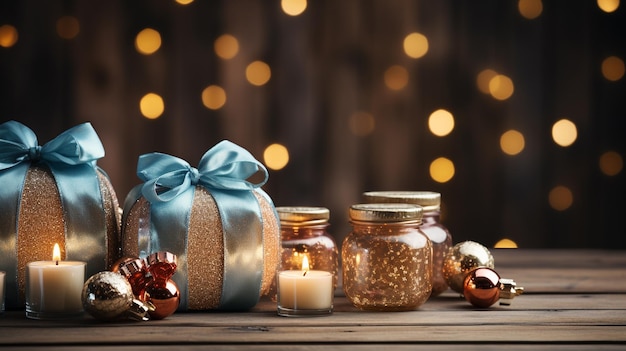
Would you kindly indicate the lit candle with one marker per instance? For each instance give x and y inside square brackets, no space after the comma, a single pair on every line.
[305,292]
[53,288]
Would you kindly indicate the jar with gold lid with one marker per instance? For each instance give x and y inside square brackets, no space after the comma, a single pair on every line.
[438,234]
[304,234]
[386,258]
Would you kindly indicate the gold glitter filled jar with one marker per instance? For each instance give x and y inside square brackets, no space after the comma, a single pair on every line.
[304,234]
[387,259]
[440,237]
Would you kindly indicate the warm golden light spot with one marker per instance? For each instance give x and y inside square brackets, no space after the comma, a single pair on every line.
[151,106]
[608,5]
[184,2]
[68,27]
[530,9]
[613,68]
[213,97]
[483,79]
[148,41]
[564,132]
[505,244]
[276,156]
[8,35]
[441,122]
[441,170]
[415,45]
[512,142]
[611,163]
[258,73]
[226,46]
[501,87]
[560,198]
[362,123]
[396,77]
[293,7]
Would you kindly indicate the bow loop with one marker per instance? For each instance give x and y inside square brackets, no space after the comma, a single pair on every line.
[77,145]
[226,166]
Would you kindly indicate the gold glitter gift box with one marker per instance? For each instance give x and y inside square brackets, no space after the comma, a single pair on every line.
[51,194]
[223,228]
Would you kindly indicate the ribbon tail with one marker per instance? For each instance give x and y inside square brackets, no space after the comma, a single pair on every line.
[12,181]
[243,248]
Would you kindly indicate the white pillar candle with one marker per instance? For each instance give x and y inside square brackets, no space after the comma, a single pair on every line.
[305,292]
[53,288]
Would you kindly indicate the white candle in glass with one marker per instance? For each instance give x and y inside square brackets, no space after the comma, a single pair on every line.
[53,288]
[305,292]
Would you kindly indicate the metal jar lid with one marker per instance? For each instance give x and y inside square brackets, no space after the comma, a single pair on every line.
[303,215]
[385,212]
[429,200]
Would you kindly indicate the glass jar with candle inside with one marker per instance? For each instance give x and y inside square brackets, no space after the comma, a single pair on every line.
[438,234]
[304,235]
[386,259]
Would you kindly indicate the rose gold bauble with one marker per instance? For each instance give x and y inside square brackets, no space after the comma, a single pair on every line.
[165,297]
[481,287]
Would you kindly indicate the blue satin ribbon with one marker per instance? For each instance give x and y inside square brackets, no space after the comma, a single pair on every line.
[169,186]
[71,157]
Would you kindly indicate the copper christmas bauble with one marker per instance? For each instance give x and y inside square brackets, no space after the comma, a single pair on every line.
[461,259]
[164,296]
[481,287]
[107,295]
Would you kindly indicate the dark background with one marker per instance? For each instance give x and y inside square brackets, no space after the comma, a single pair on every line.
[327,64]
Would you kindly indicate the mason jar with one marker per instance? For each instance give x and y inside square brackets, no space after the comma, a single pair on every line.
[438,234]
[386,258]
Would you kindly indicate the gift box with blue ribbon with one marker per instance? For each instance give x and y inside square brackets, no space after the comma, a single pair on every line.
[50,194]
[223,228]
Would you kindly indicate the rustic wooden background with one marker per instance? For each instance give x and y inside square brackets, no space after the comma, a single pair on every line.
[327,64]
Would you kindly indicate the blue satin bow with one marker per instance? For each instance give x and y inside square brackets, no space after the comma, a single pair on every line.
[169,185]
[71,157]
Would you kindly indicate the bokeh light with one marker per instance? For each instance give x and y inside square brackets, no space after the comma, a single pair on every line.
[213,97]
[608,5]
[442,170]
[148,41]
[512,142]
[68,27]
[151,106]
[560,198]
[184,2]
[483,79]
[276,156]
[611,163]
[613,68]
[293,7]
[396,77]
[258,73]
[8,35]
[501,87]
[362,123]
[226,46]
[564,132]
[530,9]
[505,244]
[441,122]
[415,45]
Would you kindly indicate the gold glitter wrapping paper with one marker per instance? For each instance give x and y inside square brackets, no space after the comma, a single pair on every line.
[41,221]
[205,247]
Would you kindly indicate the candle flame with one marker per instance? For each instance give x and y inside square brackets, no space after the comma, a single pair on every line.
[56,253]
[305,263]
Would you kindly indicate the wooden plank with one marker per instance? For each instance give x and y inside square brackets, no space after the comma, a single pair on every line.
[559,258]
[343,347]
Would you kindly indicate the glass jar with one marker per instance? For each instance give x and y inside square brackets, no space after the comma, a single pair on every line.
[431,226]
[304,234]
[387,260]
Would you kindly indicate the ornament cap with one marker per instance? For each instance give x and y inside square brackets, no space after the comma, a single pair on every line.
[508,291]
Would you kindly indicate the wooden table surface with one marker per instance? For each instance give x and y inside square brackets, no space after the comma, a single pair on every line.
[573,299]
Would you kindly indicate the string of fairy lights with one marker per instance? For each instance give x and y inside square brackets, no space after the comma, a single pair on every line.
[441,122]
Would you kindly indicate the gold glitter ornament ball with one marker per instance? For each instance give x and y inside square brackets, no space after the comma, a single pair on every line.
[463,258]
[107,295]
